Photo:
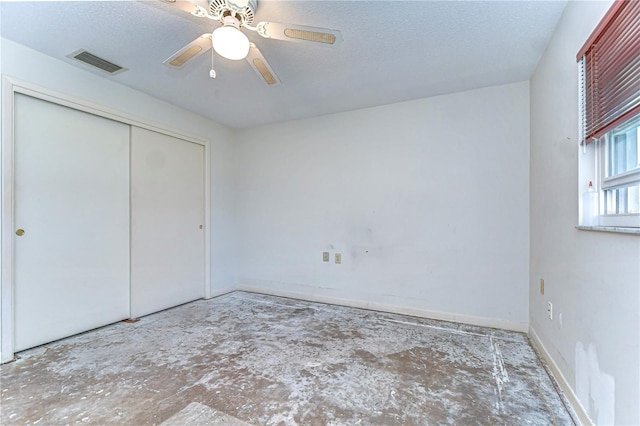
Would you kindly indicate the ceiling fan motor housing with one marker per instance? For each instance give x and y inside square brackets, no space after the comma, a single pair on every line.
[219,9]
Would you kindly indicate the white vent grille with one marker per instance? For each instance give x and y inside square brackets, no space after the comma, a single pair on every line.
[96,62]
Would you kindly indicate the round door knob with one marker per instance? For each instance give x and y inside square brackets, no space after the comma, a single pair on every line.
[20,232]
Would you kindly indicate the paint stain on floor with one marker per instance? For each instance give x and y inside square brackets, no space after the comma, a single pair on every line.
[248,359]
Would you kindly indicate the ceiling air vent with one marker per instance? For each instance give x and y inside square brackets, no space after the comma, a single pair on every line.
[96,62]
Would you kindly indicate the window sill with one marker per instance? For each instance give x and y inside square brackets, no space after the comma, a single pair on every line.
[615,229]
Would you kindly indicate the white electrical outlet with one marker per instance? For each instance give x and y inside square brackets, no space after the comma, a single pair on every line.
[338,258]
[325,256]
[550,310]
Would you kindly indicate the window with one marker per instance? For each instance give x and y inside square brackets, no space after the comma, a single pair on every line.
[609,74]
[619,176]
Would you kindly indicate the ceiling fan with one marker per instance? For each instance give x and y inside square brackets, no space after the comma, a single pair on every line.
[230,42]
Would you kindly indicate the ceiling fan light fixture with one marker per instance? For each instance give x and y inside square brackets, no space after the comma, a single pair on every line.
[229,42]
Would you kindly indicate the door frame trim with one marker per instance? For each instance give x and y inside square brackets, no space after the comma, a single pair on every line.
[11,86]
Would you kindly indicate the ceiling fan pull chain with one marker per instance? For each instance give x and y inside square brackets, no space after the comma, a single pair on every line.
[212,73]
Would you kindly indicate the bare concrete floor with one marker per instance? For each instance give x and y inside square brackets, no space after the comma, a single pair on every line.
[250,359]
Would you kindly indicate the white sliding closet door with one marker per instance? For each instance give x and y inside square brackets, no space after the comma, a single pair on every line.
[167,218]
[72,202]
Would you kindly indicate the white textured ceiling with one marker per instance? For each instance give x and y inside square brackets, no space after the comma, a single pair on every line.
[392,51]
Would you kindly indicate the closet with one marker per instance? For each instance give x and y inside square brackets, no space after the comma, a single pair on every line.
[167,205]
[108,221]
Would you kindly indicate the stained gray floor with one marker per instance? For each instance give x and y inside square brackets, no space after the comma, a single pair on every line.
[247,359]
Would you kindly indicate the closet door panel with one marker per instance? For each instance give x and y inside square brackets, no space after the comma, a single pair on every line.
[71,271]
[167,218]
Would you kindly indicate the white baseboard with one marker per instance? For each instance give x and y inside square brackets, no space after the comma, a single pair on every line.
[583,417]
[220,292]
[383,307]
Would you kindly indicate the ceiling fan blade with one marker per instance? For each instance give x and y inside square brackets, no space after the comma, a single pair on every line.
[262,67]
[194,7]
[299,33]
[192,50]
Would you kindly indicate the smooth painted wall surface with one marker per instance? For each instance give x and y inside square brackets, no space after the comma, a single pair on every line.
[592,278]
[426,200]
[33,67]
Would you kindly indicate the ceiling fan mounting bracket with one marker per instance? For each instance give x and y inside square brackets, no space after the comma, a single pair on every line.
[219,9]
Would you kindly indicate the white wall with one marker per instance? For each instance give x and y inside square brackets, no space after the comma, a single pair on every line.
[427,200]
[592,278]
[33,67]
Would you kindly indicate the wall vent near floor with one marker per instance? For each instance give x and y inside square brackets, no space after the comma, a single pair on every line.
[96,62]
